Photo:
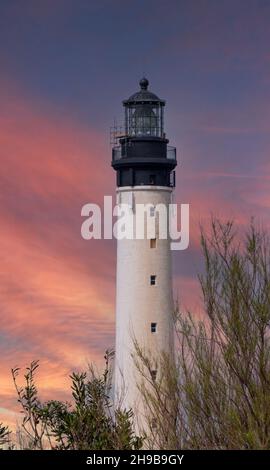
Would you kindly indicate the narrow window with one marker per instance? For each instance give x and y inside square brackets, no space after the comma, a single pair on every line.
[153,242]
[152,179]
[153,280]
[153,327]
[152,211]
[154,375]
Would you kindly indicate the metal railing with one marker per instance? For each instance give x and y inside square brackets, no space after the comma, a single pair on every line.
[171,152]
[117,153]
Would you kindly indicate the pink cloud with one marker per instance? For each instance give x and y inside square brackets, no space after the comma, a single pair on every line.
[57,293]
[57,290]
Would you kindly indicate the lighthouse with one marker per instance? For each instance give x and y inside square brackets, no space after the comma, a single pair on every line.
[144,165]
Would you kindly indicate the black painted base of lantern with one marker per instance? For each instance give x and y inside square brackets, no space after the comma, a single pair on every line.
[144,161]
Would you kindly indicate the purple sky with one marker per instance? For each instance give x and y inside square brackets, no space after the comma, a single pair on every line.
[65,66]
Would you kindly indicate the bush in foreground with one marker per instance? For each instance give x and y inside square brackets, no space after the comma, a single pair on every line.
[89,422]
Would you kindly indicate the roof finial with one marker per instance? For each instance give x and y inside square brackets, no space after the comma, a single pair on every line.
[144,83]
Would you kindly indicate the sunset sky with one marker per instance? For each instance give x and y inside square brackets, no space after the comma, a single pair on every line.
[65,66]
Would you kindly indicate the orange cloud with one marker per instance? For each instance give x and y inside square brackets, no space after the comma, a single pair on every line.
[57,291]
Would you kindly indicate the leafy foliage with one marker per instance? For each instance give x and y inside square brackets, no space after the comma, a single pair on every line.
[4,435]
[88,423]
[218,394]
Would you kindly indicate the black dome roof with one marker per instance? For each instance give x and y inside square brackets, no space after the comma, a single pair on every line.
[143,95]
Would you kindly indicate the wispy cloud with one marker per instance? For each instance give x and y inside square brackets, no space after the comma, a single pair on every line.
[57,291]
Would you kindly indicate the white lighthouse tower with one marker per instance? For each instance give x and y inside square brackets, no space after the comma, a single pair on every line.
[144,303]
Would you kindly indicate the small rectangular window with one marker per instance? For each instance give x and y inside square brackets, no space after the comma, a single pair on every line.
[153,243]
[153,279]
[153,327]
[152,211]
[154,375]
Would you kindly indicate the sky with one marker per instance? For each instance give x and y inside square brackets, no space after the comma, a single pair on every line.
[65,67]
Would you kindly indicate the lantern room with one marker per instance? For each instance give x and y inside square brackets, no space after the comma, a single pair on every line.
[144,113]
[141,155]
